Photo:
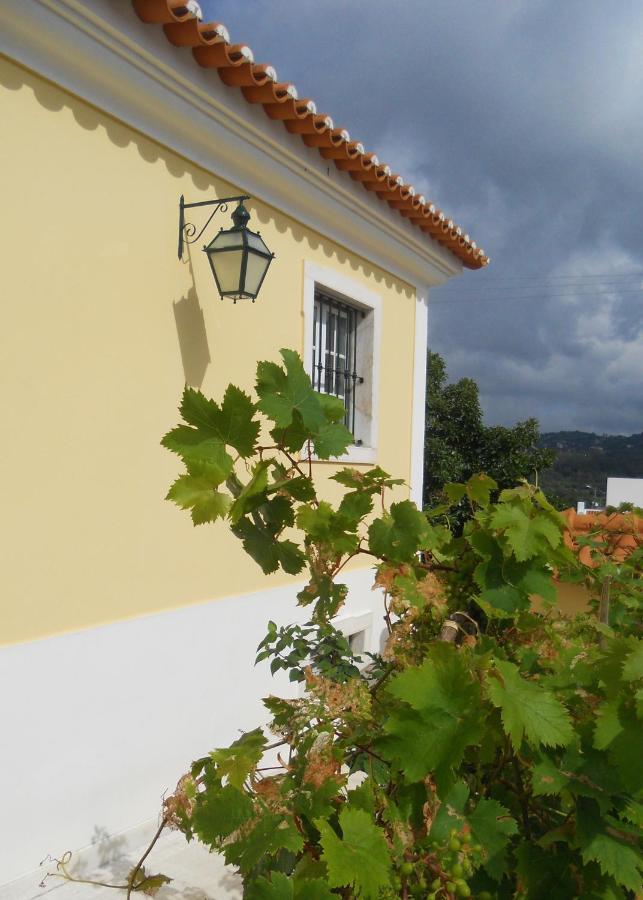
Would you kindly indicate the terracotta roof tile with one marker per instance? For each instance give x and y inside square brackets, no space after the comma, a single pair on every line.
[211,48]
[617,534]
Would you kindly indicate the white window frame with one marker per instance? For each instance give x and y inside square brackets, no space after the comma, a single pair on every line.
[369,338]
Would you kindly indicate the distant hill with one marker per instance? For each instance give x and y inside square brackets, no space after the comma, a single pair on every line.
[584,458]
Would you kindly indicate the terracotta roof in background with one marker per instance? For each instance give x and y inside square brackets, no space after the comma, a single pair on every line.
[212,49]
[620,533]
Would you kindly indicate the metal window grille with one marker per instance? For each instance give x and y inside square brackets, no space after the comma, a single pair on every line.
[335,352]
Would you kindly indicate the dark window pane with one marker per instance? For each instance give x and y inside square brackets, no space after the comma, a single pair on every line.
[335,351]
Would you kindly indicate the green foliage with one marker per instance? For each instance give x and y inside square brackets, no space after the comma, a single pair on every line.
[359,858]
[458,444]
[497,749]
[528,710]
[441,702]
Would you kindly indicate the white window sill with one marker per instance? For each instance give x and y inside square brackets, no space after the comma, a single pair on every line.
[355,454]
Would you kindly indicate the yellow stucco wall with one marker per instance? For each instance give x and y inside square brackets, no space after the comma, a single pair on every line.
[101,328]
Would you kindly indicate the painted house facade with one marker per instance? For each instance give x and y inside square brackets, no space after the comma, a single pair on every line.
[126,635]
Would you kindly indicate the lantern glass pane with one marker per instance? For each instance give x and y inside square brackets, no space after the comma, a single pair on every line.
[255,242]
[227,239]
[255,270]
[227,266]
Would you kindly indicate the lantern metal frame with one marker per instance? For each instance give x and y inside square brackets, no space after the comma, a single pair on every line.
[187,231]
[240,217]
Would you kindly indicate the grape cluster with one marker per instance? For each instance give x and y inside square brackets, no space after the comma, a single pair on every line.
[444,873]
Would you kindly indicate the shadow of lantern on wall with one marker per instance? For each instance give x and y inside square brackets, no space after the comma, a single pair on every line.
[238,257]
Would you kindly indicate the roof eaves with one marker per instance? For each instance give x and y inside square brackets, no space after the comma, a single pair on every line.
[212,49]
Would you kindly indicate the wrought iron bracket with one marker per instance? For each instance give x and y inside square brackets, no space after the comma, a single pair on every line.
[187,231]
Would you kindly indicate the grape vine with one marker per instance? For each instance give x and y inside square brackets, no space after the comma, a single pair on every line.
[487,751]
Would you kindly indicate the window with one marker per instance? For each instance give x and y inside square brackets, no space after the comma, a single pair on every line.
[342,327]
[335,364]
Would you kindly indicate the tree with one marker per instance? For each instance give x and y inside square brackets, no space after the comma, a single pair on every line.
[458,444]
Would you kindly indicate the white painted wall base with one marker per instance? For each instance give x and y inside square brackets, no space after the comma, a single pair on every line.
[196,874]
[98,724]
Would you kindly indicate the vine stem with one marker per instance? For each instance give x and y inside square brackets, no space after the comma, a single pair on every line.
[293,462]
[522,796]
[275,745]
[370,753]
[129,887]
[341,565]
[139,864]
[387,614]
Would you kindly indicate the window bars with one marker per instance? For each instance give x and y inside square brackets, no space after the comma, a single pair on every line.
[334,366]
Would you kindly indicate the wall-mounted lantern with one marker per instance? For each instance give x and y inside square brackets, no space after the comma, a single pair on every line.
[238,257]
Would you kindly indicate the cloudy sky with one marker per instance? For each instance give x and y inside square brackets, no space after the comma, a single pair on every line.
[523,121]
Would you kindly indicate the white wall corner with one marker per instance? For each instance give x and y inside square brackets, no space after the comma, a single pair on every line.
[418,422]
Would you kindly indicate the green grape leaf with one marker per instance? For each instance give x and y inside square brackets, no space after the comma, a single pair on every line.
[502,601]
[198,449]
[220,811]
[527,536]
[277,514]
[197,493]
[322,588]
[322,524]
[291,558]
[619,860]
[282,393]
[547,779]
[608,724]
[279,887]
[528,710]
[310,878]
[492,826]
[479,488]
[331,439]
[299,488]
[633,812]
[397,535]
[545,874]
[354,506]
[633,666]
[142,883]
[210,428]
[252,493]
[451,813]
[313,889]
[362,797]
[271,834]
[455,492]
[333,407]
[638,697]
[259,542]
[360,857]
[294,436]
[626,752]
[316,800]
[540,583]
[151,885]
[238,760]
[442,719]
[372,480]
[237,426]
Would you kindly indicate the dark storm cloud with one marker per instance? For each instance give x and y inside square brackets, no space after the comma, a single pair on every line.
[523,121]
